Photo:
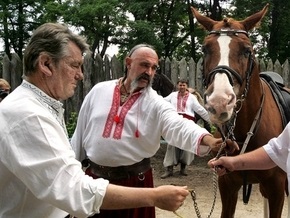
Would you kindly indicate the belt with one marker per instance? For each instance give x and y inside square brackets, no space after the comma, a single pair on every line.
[188,117]
[121,172]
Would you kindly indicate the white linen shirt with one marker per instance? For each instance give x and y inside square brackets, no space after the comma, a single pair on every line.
[192,105]
[278,150]
[151,115]
[39,175]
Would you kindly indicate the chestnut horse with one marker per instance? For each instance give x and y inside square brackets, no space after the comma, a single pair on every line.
[241,105]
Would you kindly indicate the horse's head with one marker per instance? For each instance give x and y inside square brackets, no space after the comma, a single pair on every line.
[228,62]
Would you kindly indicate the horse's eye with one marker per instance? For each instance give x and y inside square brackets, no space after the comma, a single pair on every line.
[247,52]
[203,49]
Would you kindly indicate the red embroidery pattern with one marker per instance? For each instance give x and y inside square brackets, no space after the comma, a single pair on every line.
[113,116]
[113,111]
[181,102]
[126,107]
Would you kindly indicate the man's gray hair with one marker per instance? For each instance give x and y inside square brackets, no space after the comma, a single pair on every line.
[52,39]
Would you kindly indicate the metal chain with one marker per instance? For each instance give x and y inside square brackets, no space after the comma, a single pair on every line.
[193,196]
[215,187]
[230,135]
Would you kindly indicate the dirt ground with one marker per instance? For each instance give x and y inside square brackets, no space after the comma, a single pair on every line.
[200,178]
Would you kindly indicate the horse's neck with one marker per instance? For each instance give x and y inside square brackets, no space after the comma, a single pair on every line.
[251,105]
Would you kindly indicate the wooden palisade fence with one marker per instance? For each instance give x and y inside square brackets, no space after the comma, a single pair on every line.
[101,69]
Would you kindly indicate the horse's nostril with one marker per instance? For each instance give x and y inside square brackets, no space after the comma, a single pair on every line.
[224,116]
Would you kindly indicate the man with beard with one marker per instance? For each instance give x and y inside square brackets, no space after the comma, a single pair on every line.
[120,124]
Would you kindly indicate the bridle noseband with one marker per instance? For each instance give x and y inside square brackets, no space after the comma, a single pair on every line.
[228,71]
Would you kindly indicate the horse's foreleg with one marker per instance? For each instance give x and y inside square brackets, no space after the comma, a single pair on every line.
[229,196]
[274,190]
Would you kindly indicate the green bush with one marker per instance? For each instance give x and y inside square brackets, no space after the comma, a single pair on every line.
[72,123]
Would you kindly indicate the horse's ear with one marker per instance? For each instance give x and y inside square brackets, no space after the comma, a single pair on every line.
[206,22]
[254,20]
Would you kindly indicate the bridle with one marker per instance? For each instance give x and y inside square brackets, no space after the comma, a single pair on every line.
[228,128]
[226,69]
[231,73]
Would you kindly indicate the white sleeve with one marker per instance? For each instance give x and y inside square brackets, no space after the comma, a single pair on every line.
[278,148]
[199,109]
[168,97]
[78,137]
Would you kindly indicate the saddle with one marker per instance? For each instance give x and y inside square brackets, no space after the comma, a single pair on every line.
[281,95]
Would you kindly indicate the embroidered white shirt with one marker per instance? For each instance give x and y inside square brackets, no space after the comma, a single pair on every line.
[39,175]
[150,115]
[189,105]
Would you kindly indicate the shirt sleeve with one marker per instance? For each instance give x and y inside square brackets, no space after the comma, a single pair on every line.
[168,97]
[199,109]
[278,149]
[180,132]
[78,136]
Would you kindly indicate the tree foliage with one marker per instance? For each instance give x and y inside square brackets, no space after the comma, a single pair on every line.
[18,18]
[166,24]
[272,37]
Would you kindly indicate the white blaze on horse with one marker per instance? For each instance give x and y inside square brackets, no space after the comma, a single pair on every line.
[242,106]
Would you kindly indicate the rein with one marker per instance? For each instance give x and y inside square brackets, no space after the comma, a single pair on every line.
[230,126]
[256,120]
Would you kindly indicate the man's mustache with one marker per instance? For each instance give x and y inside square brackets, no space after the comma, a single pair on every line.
[144,76]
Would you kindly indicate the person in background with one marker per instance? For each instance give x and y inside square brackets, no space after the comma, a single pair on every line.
[39,174]
[196,94]
[120,124]
[198,118]
[4,89]
[187,105]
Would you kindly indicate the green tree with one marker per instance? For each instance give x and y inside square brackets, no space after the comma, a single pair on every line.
[167,27]
[279,41]
[166,24]
[18,19]
[100,21]
[272,38]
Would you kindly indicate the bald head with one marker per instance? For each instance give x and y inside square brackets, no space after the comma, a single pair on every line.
[144,52]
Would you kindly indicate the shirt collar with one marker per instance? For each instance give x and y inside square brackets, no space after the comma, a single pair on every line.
[43,97]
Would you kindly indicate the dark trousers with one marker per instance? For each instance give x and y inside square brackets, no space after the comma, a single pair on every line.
[135,181]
